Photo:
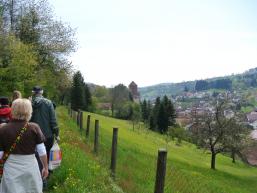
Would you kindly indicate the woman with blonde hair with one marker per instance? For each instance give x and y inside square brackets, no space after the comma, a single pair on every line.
[18,141]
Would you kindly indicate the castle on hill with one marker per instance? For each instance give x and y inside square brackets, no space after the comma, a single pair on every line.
[134,91]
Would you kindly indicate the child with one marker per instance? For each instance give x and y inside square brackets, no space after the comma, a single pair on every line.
[5,110]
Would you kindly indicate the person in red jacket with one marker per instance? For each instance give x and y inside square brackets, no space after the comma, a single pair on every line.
[5,110]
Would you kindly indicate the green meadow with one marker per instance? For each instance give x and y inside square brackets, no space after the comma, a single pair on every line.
[188,168]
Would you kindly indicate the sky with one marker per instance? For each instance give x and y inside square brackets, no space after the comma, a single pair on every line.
[159,41]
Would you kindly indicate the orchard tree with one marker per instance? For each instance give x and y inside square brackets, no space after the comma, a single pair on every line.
[216,132]
[135,115]
[238,139]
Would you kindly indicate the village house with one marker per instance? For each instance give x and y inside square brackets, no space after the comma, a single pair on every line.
[104,106]
[252,119]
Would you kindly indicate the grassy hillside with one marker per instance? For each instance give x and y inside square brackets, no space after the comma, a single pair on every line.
[187,167]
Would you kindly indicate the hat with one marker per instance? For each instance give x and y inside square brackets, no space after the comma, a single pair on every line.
[4,101]
[37,89]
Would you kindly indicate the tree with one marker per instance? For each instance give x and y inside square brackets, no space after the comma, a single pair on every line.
[32,23]
[162,120]
[135,114]
[176,132]
[154,113]
[87,99]
[101,93]
[77,92]
[170,111]
[239,138]
[144,110]
[119,96]
[212,130]
[17,65]
[166,115]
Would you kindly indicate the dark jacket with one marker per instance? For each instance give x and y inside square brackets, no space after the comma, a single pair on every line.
[44,115]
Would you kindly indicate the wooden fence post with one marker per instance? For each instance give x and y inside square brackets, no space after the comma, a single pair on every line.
[81,121]
[160,171]
[71,112]
[96,142]
[114,152]
[68,109]
[88,126]
[73,115]
[78,118]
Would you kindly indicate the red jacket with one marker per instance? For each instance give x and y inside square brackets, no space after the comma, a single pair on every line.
[5,113]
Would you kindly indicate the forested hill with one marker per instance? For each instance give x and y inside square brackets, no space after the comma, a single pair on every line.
[232,82]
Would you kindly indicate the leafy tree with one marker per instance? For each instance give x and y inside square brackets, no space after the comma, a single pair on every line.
[135,114]
[101,93]
[119,96]
[17,65]
[238,139]
[213,131]
[176,132]
[49,41]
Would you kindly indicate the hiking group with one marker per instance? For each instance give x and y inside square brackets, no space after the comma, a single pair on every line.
[28,129]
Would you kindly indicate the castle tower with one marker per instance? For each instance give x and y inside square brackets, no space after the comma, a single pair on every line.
[134,91]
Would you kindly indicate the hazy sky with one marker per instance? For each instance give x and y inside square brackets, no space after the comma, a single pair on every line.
[156,41]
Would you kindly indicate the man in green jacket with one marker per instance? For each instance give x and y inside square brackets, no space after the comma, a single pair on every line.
[44,115]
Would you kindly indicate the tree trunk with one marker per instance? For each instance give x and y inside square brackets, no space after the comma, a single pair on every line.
[213,159]
[233,155]
[12,15]
[112,109]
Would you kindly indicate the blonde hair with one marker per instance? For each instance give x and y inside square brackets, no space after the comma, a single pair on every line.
[21,109]
[16,95]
